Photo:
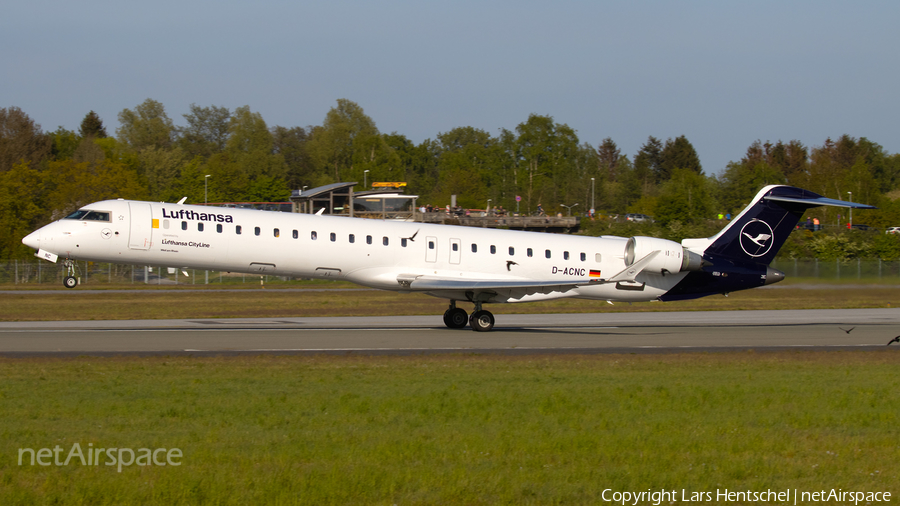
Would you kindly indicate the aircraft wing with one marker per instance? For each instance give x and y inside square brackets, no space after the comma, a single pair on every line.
[415,282]
[422,283]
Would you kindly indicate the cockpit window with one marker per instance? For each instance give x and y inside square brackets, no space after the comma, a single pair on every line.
[88,215]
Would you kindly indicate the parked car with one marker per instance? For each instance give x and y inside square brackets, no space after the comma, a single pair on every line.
[892,230]
[638,218]
[860,226]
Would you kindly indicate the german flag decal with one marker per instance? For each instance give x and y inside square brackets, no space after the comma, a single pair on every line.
[595,274]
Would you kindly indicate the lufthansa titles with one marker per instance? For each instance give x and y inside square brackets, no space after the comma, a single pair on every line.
[183,214]
[190,244]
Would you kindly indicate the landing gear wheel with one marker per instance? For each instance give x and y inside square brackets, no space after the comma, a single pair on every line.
[482,321]
[70,282]
[456,318]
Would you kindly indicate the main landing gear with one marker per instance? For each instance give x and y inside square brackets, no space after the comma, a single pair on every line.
[456,318]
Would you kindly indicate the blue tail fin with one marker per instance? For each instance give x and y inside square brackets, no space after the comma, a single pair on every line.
[738,256]
[759,231]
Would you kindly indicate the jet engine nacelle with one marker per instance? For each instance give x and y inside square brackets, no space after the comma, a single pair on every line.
[672,257]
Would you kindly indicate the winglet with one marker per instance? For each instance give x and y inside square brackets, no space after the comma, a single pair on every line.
[634,269]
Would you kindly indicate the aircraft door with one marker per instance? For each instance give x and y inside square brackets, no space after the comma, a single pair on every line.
[455,250]
[431,251]
[141,230]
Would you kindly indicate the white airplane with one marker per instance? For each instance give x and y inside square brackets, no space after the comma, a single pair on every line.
[477,265]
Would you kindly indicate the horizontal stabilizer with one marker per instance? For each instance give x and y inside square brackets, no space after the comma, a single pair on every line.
[818,201]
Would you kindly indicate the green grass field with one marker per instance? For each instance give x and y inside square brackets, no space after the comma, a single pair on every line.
[451,430]
[461,429]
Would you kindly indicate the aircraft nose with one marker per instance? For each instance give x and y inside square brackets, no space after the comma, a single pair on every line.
[33,240]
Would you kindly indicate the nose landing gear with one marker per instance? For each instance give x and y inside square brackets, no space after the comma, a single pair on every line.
[70,281]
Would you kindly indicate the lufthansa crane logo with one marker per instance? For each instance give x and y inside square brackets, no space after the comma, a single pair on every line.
[756,238]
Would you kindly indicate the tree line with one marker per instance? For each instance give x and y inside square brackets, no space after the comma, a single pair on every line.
[46,175]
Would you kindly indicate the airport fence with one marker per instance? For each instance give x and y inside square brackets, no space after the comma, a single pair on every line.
[95,273]
[40,272]
[838,269]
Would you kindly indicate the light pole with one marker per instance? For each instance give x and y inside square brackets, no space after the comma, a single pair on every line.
[206,188]
[592,198]
[850,198]
[570,207]
[366,179]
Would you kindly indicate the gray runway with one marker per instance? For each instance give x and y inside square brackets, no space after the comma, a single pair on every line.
[547,333]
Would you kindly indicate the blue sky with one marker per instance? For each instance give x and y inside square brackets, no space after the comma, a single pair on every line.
[722,73]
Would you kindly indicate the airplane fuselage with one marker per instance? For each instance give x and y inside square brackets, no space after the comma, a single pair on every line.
[477,265]
[367,252]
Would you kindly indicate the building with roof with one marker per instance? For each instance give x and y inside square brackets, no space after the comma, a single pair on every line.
[336,198]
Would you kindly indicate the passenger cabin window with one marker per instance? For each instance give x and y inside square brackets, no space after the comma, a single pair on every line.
[277,233]
[333,237]
[583,257]
[352,238]
[474,248]
[384,240]
[565,255]
[313,235]
[368,239]
[403,242]
[295,234]
[237,229]
[200,227]
[430,244]
[219,228]
[183,225]
[597,257]
[256,231]
[529,252]
[512,251]
[547,253]
[166,224]
[455,246]
[493,249]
